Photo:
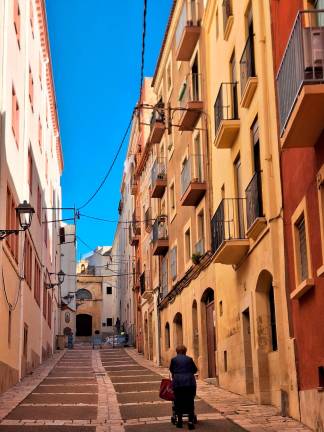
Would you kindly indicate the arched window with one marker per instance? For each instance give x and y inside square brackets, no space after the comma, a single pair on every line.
[167,336]
[83,294]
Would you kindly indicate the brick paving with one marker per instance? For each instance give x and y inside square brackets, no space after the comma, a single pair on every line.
[116,390]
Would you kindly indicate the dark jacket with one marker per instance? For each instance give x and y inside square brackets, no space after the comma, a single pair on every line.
[183,368]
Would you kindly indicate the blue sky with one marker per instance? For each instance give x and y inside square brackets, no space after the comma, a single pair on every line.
[96,56]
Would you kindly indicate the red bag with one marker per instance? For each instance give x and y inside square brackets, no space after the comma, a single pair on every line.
[166,390]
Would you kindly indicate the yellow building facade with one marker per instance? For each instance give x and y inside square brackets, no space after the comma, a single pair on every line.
[219,226]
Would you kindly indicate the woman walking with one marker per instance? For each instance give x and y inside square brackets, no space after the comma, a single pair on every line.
[183,371]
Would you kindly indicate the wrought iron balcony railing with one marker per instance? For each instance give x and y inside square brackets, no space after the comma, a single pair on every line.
[160,229]
[228,222]
[302,63]
[158,170]
[192,172]
[254,206]
[247,63]
[226,106]
[188,17]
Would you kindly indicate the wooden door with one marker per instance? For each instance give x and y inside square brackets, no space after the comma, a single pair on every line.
[211,342]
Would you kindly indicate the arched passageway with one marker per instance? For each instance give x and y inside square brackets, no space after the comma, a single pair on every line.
[178,332]
[83,325]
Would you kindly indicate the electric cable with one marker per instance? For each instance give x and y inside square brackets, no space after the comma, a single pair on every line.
[143,48]
[111,165]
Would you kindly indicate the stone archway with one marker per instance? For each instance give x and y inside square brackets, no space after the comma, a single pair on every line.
[209,333]
[178,331]
[266,332]
[84,325]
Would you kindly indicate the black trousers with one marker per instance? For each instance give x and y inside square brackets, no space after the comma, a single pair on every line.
[184,401]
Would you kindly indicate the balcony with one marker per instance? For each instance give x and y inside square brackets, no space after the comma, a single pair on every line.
[301,93]
[228,18]
[148,220]
[228,232]
[249,81]
[256,222]
[190,103]
[199,251]
[160,237]
[134,230]
[193,184]
[120,206]
[158,178]
[227,123]
[188,30]
[157,125]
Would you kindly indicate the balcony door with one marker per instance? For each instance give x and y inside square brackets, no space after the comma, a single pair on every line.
[233,80]
[239,194]
[198,161]
[195,80]
[257,165]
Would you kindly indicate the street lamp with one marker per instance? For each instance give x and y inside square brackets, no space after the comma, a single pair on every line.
[25,213]
[60,280]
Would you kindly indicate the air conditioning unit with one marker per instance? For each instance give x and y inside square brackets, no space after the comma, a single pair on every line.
[313,44]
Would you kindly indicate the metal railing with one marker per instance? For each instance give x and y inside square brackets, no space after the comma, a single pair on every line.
[247,63]
[228,222]
[200,247]
[190,90]
[192,172]
[189,17]
[160,228]
[157,114]
[253,193]
[227,11]
[226,106]
[158,170]
[302,63]
[148,220]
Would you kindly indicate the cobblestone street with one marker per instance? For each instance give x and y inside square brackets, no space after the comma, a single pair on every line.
[116,390]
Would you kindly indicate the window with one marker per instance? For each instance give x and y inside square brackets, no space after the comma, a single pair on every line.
[221,308]
[225,361]
[302,249]
[30,171]
[109,322]
[49,310]
[37,280]
[40,70]
[320,185]
[15,116]
[31,16]
[39,204]
[108,290]
[188,245]
[9,327]
[172,197]
[273,326]
[28,262]
[169,76]
[40,131]
[31,89]
[167,336]
[217,25]
[201,230]
[83,294]
[321,376]
[25,344]
[44,300]
[173,263]
[12,223]
[16,13]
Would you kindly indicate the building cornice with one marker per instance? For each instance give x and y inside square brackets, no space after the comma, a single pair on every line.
[44,40]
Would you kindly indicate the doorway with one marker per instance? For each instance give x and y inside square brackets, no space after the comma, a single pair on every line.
[209,305]
[83,325]
[195,332]
[247,344]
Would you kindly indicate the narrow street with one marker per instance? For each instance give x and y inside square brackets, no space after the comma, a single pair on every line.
[116,390]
